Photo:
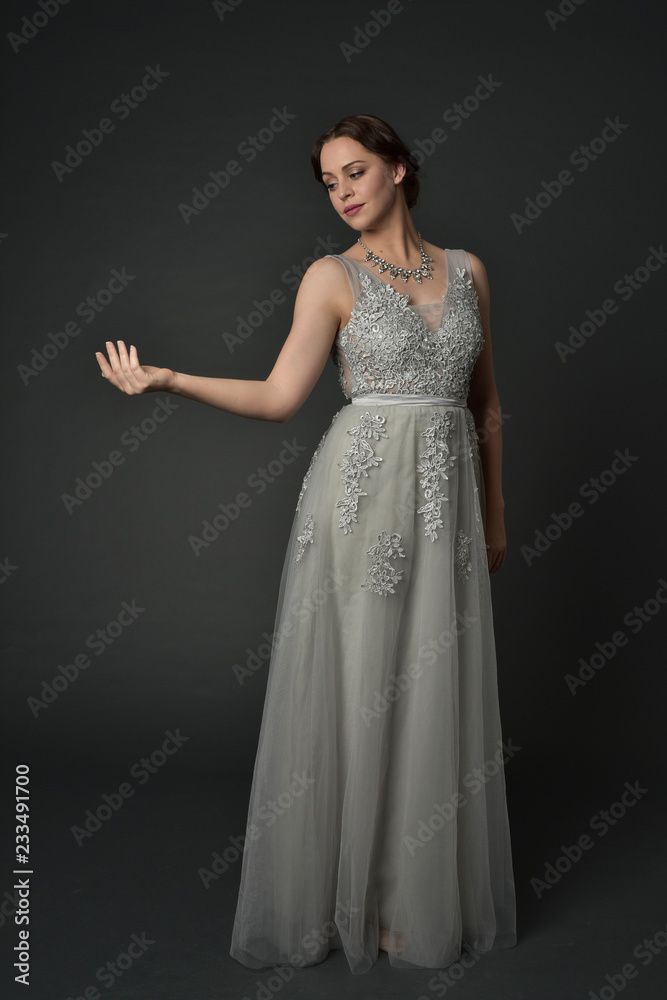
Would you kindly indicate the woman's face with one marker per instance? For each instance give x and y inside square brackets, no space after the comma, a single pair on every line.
[356,177]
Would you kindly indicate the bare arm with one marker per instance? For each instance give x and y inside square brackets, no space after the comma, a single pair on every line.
[484,404]
[292,378]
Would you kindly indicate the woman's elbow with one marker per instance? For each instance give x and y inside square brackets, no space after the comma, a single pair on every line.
[285,412]
[279,405]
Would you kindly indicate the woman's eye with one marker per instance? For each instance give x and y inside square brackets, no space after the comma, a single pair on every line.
[357,173]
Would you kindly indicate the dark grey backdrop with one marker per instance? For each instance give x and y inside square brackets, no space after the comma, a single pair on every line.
[219,72]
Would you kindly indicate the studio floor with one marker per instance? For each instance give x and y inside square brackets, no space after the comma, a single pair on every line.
[128,910]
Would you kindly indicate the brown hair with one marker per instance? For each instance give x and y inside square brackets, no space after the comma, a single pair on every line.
[378,137]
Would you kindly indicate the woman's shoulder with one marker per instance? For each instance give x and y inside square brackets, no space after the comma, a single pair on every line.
[474,260]
[478,274]
[326,275]
[324,267]
[477,269]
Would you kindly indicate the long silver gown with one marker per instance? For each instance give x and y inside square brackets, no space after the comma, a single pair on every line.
[378,795]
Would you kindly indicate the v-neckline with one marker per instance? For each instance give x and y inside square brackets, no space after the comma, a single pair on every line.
[402,295]
[394,291]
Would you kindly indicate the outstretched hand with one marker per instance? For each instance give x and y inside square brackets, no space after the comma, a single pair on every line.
[124,371]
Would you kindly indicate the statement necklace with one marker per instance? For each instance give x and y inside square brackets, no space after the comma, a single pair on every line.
[417,273]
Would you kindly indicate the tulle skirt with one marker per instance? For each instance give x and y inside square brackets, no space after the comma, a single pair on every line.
[378,793]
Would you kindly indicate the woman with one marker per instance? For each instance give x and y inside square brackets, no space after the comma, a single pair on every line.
[377,816]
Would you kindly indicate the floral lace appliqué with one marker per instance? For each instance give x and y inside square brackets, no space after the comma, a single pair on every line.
[382,574]
[462,558]
[473,436]
[436,461]
[312,463]
[357,460]
[305,537]
[389,348]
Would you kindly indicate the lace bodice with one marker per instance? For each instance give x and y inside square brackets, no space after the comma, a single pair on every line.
[390,346]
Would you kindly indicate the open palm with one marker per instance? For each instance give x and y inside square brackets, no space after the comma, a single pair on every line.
[124,371]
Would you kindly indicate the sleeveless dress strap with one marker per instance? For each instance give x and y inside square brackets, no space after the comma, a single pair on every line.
[458,259]
[352,270]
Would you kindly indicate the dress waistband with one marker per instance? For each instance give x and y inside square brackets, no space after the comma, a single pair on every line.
[382,398]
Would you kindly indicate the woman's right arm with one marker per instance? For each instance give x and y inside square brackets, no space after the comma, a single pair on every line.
[317,315]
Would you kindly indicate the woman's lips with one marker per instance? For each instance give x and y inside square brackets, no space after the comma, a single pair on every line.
[353,210]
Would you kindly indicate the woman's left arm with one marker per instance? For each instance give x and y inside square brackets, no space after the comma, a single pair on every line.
[484,404]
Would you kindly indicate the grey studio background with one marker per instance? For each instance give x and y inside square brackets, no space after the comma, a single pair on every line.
[541,136]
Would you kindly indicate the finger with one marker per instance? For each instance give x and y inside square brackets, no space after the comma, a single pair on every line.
[126,378]
[116,365]
[104,364]
[118,376]
[114,360]
[135,364]
[112,352]
[123,356]
[135,374]
[498,560]
[106,370]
